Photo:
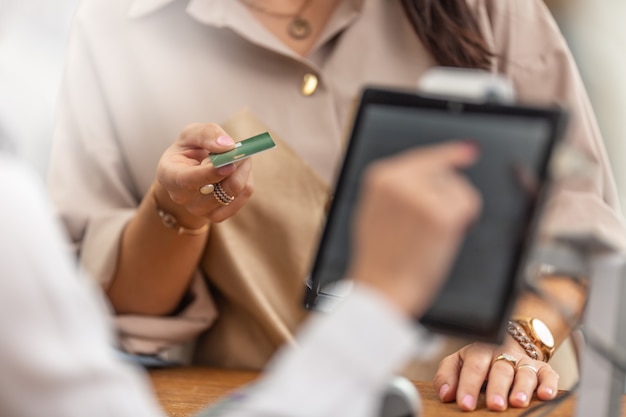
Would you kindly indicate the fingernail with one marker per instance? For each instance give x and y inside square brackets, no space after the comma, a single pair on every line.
[498,401]
[468,402]
[549,391]
[225,140]
[522,397]
[443,391]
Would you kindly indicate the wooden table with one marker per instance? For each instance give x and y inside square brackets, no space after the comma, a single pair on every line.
[184,391]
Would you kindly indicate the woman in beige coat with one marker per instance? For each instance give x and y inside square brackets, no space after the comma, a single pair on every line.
[220,276]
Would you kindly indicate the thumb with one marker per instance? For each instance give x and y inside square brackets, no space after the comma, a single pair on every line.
[222,143]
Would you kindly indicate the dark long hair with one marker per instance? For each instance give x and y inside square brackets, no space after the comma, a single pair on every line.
[449,31]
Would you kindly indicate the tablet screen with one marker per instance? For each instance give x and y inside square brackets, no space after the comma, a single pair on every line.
[515,144]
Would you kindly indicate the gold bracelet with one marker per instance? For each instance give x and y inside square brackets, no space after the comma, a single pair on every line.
[517,332]
[538,333]
[170,221]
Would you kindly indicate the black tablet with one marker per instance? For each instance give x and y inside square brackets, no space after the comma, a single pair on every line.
[515,144]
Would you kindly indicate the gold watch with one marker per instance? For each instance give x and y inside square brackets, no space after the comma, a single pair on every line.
[539,334]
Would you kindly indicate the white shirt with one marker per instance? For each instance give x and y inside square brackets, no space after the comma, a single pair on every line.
[56,355]
[342,365]
[55,351]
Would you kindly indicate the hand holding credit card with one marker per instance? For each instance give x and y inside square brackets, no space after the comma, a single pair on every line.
[244,149]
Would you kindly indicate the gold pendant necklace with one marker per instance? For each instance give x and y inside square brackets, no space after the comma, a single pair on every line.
[298,27]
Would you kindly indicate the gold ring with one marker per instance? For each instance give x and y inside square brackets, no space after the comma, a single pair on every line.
[529,366]
[507,358]
[206,189]
[221,196]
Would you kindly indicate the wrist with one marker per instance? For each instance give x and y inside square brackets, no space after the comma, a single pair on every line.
[533,336]
[173,215]
[521,339]
[408,300]
[513,348]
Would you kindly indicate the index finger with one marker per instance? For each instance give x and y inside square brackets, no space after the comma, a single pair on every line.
[206,137]
[473,374]
[192,177]
[447,377]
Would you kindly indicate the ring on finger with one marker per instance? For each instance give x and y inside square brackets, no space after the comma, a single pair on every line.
[206,189]
[507,358]
[528,366]
[221,196]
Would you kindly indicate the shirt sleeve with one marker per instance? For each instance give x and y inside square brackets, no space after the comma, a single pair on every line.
[87,160]
[168,337]
[341,365]
[56,345]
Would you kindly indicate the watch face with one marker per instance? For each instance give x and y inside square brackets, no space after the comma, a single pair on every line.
[543,333]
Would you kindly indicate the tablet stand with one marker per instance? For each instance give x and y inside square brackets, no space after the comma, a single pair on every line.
[602,380]
[466,84]
[401,399]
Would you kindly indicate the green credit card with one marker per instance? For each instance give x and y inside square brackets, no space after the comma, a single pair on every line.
[244,149]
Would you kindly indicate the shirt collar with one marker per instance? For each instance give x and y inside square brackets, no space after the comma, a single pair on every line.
[140,8]
[212,12]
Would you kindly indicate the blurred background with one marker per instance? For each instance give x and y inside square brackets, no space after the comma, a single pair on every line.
[596,34]
[33,34]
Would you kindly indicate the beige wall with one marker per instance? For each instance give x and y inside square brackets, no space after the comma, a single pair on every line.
[596,31]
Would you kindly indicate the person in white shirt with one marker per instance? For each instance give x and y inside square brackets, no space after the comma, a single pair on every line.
[57,352]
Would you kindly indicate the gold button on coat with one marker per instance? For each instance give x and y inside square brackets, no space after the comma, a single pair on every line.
[309,84]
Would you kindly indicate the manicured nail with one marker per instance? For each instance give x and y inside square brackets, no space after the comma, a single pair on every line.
[225,140]
[498,401]
[549,391]
[522,397]
[468,402]
[443,391]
